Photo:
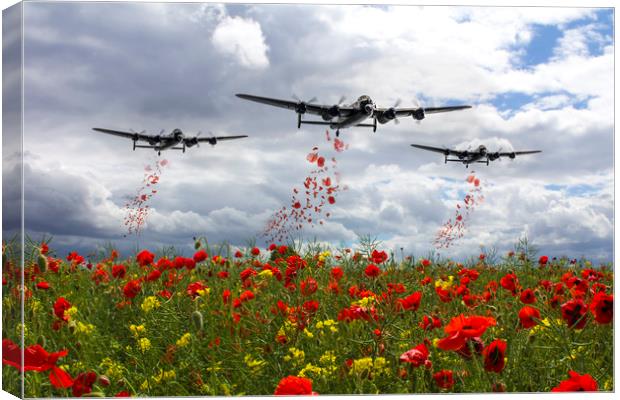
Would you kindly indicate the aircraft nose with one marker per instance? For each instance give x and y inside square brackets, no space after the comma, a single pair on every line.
[368,108]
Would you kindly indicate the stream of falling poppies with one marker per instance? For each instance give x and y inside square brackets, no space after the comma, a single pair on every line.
[454,230]
[137,209]
[320,189]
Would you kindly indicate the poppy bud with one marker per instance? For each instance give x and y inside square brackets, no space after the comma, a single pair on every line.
[42,262]
[197,244]
[71,325]
[104,380]
[197,320]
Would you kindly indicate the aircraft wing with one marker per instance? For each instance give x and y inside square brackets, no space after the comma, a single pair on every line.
[218,138]
[128,135]
[437,149]
[317,109]
[405,112]
[519,153]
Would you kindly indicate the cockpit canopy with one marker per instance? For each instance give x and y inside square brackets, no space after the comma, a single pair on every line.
[364,99]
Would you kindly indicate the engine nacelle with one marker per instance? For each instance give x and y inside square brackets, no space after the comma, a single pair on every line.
[212,141]
[300,108]
[334,111]
[493,156]
[191,142]
[418,114]
[386,116]
[512,155]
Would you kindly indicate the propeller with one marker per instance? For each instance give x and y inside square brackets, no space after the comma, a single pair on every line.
[301,105]
[212,140]
[418,114]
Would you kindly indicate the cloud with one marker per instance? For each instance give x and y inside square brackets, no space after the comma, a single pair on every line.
[178,66]
[243,39]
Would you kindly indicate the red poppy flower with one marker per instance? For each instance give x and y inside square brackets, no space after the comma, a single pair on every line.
[153,275]
[60,306]
[200,256]
[494,356]
[411,302]
[416,356]
[602,306]
[331,200]
[372,271]
[378,257]
[444,294]
[194,287]
[282,249]
[43,285]
[577,383]
[245,296]
[543,260]
[529,316]
[528,296]
[36,358]
[238,254]
[222,274]
[574,312]
[308,286]
[145,258]
[255,251]
[462,328]
[132,288]
[510,283]
[337,273]
[123,393]
[429,323]
[425,262]
[320,162]
[83,383]
[119,271]
[444,379]
[292,385]
[246,273]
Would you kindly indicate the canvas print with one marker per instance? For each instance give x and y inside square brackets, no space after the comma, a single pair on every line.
[209,199]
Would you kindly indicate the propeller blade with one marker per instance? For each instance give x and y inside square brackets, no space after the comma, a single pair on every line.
[398,101]
[342,99]
[312,100]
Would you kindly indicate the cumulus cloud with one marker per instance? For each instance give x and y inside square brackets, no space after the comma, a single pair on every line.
[243,39]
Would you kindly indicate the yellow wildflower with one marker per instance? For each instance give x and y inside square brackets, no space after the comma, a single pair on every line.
[137,330]
[253,364]
[265,274]
[308,333]
[144,344]
[150,303]
[112,369]
[86,329]
[296,355]
[203,292]
[71,312]
[184,340]
[311,370]
[324,255]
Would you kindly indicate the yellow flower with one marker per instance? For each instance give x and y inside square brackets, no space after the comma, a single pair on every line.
[367,365]
[86,329]
[324,255]
[150,303]
[328,358]
[365,302]
[265,274]
[35,305]
[254,365]
[308,333]
[113,370]
[203,292]
[296,355]
[137,330]
[144,344]
[311,370]
[71,312]
[184,340]
[436,342]
[164,376]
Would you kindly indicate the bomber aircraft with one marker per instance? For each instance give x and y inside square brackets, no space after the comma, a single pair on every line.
[340,116]
[479,155]
[175,140]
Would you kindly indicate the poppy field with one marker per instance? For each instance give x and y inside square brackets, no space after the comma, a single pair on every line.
[282,320]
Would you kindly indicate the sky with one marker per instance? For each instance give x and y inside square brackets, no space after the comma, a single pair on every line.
[537,78]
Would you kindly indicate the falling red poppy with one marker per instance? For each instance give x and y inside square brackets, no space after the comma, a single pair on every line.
[36,358]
